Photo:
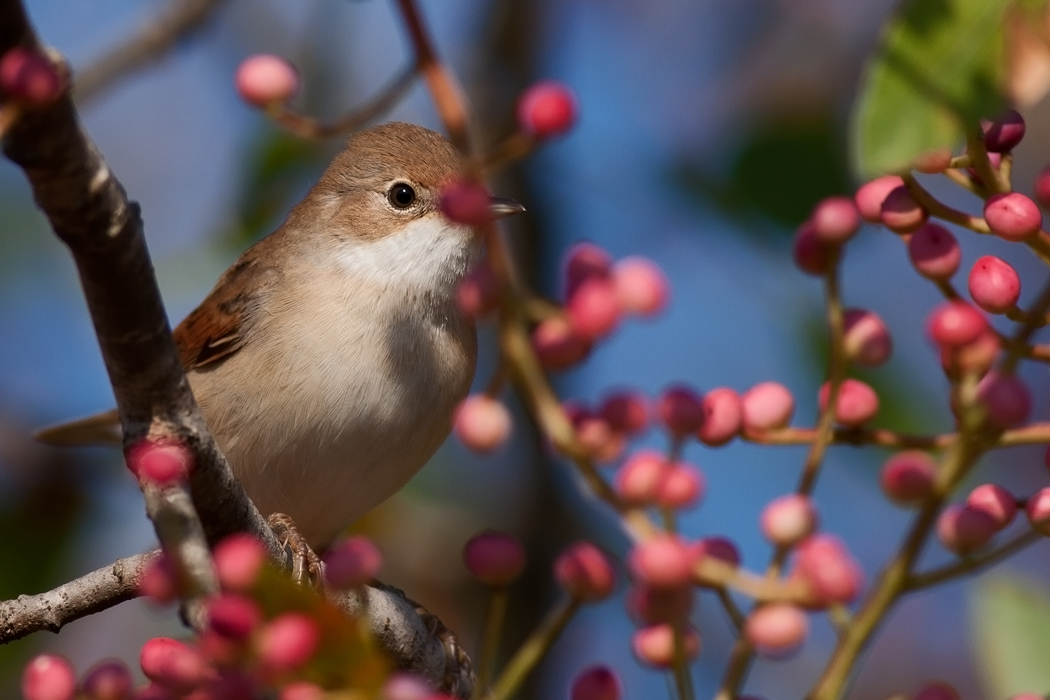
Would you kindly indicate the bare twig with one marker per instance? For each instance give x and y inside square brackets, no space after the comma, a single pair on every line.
[972,564]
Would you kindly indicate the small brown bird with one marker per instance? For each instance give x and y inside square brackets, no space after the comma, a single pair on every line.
[329,358]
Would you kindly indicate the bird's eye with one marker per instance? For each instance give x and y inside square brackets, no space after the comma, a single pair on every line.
[401,196]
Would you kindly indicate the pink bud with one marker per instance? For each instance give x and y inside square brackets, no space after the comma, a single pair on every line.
[584,572]
[977,356]
[478,292]
[856,404]
[995,501]
[1012,216]
[302,690]
[656,605]
[641,286]
[405,686]
[265,79]
[955,323]
[719,548]
[596,683]
[638,480]
[594,309]
[152,691]
[934,252]
[1042,188]
[833,576]
[655,645]
[233,616]
[662,561]
[288,642]
[835,220]
[557,345]
[159,582]
[1001,135]
[681,487]
[626,412]
[871,195]
[907,477]
[238,560]
[466,202]
[1037,508]
[547,109]
[811,255]
[352,562]
[29,76]
[901,213]
[787,520]
[776,630]
[994,284]
[159,462]
[596,435]
[936,690]
[866,339]
[767,406]
[680,410]
[494,558]
[482,423]
[933,161]
[48,677]
[586,261]
[108,680]
[172,664]
[723,417]
[1006,399]
[962,528]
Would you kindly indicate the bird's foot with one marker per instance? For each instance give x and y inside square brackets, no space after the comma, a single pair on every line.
[307,568]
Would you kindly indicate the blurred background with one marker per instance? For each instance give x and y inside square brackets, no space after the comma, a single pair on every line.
[708,130]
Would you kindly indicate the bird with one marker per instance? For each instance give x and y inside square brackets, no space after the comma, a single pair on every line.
[329,359]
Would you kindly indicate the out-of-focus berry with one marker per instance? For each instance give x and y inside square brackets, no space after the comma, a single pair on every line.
[172,664]
[466,202]
[933,161]
[1006,398]
[301,690]
[1012,216]
[641,286]
[962,528]
[835,220]
[656,605]
[48,677]
[856,404]
[557,345]
[108,680]
[662,561]
[626,412]
[638,480]
[901,213]
[767,406]
[238,560]
[720,548]
[994,284]
[811,255]
[1037,508]
[871,195]
[265,79]
[723,417]
[1001,135]
[787,520]
[828,569]
[955,323]
[1042,188]
[907,477]
[936,690]
[160,463]
[596,683]
[159,582]
[478,292]
[977,356]
[405,686]
[680,410]
[996,501]
[776,630]
[288,642]
[352,562]
[681,487]
[494,558]
[584,571]
[594,432]
[482,423]
[655,645]
[934,252]
[866,339]
[586,261]
[594,308]
[27,75]
[547,109]
[233,616]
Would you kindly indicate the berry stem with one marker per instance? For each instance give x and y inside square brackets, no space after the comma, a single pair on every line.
[971,564]
[680,665]
[941,210]
[1034,318]
[993,180]
[963,180]
[532,650]
[736,616]
[490,639]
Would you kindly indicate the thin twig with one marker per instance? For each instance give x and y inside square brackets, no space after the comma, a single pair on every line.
[971,564]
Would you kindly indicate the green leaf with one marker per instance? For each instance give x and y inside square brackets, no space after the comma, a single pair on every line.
[1011,622]
[938,71]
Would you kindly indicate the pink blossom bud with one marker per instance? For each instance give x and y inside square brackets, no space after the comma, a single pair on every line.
[723,417]
[1001,135]
[652,606]
[1006,399]
[719,548]
[352,562]
[596,683]
[547,109]
[776,630]
[233,616]
[1012,216]
[584,572]
[827,568]
[586,261]
[159,462]
[907,477]
[152,691]
[626,412]
[662,561]
[494,558]
[265,79]
[996,501]
[901,213]
[466,202]
[482,423]
[1042,188]
[936,690]
[29,76]
[977,356]
[638,480]
[557,345]
[641,286]
[680,410]
[955,323]
[48,677]
[229,684]
[811,255]
[159,582]
[593,309]
[962,528]
[594,432]
[405,686]
[681,487]
[934,252]
[288,642]
[172,664]
[108,680]
[994,284]
[856,404]
[1037,508]
[871,195]
[933,161]
[835,220]
[866,339]
[478,292]
[655,645]
[767,406]
[302,690]
[787,520]
[238,560]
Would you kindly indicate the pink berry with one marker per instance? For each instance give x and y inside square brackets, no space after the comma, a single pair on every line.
[811,255]
[835,220]
[767,406]
[962,528]
[723,417]
[717,548]
[662,561]
[866,339]
[660,605]
[159,582]
[856,404]
[907,477]
[787,520]
[934,252]
[405,686]
[238,560]
[584,571]
[466,202]
[641,286]
[776,630]
[955,323]
[626,412]
[233,616]
[936,690]
[977,356]
[302,690]
[172,664]
[901,213]
[482,423]
[108,680]
[29,76]
[352,562]
[994,284]
[1042,188]
[933,161]
[1006,398]
[996,501]
[478,292]
[594,309]
[160,462]
[638,480]
[547,109]
[680,410]
[655,645]
[1012,216]
[681,487]
[871,195]
[265,79]
[832,575]
[288,642]
[596,435]
[152,691]
[557,345]
[1001,135]
[586,261]
[48,677]
[494,558]
[1037,508]
[596,683]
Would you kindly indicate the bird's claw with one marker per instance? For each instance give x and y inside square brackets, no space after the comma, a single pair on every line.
[307,568]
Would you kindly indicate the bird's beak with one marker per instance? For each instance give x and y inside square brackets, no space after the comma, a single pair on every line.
[502,207]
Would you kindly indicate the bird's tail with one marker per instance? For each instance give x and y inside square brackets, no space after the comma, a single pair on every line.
[100,429]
